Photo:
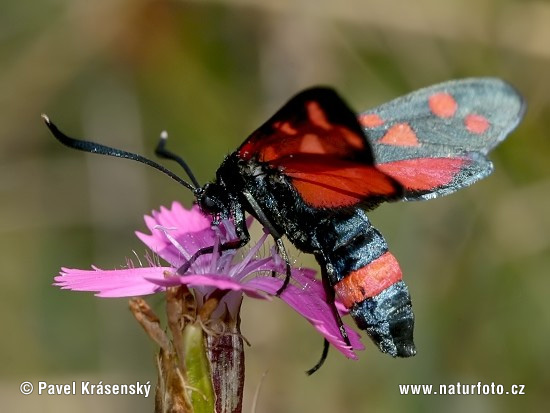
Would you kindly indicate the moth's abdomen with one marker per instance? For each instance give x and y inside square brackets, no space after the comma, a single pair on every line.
[367,279]
[380,304]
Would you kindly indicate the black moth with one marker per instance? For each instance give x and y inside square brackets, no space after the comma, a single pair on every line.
[310,172]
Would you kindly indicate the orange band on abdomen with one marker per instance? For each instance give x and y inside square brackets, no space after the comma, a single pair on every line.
[368,281]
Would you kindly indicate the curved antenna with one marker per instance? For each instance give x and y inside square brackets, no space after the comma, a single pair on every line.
[162,152]
[93,147]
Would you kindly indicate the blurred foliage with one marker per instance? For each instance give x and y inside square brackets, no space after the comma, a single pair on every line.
[209,72]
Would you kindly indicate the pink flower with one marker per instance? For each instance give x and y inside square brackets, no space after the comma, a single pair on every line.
[176,234]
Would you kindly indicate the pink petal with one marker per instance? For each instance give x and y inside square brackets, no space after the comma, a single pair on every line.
[192,220]
[191,228]
[112,283]
[220,282]
[309,301]
[315,309]
[154,242]
[306,277]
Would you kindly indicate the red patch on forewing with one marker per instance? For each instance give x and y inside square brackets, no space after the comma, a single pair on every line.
[370,120]
[305,126]
[352,138]
[400,134]
[317,115]
[368,281]
[424,174]
[269,152]
[332,183]
[442,105]
[285,127]
[311,144]
[476,123]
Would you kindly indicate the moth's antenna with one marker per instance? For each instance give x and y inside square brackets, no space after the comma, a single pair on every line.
[162,152]
[93,147]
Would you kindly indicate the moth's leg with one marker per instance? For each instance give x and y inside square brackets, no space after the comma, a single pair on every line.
[231,245]
[321,360]
[329,291]
[242,233]
[279,246]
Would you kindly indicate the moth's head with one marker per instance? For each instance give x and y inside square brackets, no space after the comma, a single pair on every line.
[212,199]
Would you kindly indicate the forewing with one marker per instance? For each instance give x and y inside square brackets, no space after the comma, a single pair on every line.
[317,142]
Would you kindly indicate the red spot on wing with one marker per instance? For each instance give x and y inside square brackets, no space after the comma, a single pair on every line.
[285,127]
[269,152]
[400,134]
[352,139]
[311,144]
[442,105]
[314,134]
[476,123]
[248,149]
[369,280]
[317,115]
[424,174]
[325,182]
[370,120]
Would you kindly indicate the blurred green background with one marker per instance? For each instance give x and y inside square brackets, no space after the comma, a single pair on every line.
[209,72]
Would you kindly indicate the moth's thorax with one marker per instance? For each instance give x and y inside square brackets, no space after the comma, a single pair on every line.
[273,192]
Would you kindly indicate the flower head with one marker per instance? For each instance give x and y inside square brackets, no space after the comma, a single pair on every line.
[175,235]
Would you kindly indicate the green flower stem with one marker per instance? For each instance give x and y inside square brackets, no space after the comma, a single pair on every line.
[199,371]
[197,366]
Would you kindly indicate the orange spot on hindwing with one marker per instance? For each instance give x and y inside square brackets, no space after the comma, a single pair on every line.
[370,120]
[400,134]
[442,105]
[476,123]
[368,281]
